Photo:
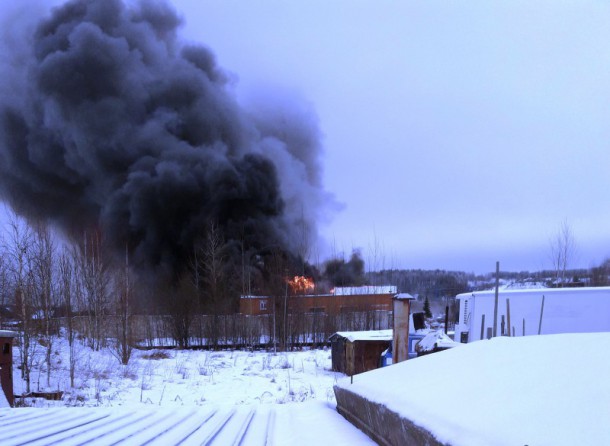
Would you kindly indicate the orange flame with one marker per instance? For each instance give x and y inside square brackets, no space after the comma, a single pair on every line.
[301,284]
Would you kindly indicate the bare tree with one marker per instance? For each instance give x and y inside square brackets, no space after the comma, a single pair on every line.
[562,251]
[376,258]
[209,269]
[18,248]
[43,261]
[123,304]
[5,284]
[93,269]
[181,308]
[66,291]
[277,268]
[246,269]
[213,267]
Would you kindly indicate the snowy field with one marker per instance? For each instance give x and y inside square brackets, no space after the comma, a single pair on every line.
[181,378]
[168,397]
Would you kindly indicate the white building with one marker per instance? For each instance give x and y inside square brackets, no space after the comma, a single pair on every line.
[566,310]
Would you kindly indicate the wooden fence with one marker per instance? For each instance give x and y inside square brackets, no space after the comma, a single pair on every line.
[222,331]
[244,331]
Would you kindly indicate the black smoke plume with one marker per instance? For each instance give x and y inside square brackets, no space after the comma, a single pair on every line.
[108,120]
[340,273]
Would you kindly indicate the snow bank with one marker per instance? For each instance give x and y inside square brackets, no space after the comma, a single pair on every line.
[507,391]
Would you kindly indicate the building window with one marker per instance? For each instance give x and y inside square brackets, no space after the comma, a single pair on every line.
[263,305]
[6,349]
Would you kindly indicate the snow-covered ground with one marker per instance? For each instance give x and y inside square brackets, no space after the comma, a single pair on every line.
[533,390]
[168,397]
[182,377]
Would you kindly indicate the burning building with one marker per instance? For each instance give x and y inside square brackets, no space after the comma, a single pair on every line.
[109,120]
[301,285]
[339,300]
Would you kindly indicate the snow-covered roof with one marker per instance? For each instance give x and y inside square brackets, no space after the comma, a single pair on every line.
[506,391]
[345,291]
[8,334]
[374,335]
[404,296]
[435,339]
[319,423]
[540,291]
[366,289]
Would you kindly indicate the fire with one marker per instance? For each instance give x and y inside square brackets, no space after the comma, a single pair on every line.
[301,284]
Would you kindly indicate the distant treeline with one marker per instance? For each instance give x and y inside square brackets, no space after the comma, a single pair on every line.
[423,283]
[436,284]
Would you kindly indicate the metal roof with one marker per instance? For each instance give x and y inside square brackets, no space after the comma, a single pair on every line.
[240,425]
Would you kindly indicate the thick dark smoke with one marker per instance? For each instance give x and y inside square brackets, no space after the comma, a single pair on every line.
[108,120]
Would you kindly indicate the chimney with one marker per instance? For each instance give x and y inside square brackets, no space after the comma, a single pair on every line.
[401,306]
[6,366]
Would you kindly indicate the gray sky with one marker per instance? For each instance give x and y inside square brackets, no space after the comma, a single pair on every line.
[455,133]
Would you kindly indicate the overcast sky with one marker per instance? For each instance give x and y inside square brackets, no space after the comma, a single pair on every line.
[455,134]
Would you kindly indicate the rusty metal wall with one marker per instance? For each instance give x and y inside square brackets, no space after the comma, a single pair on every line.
[6,368]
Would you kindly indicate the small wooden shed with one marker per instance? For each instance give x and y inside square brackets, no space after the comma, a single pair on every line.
[358,351]
[6,365]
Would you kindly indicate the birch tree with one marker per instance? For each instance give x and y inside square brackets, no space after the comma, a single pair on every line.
[4,281]
[18,246]
[123,292]
[562,251]
[93,269]
[210,278]
[42,273]
[66,291]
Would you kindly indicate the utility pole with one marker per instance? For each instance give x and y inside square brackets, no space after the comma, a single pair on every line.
[495,332]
